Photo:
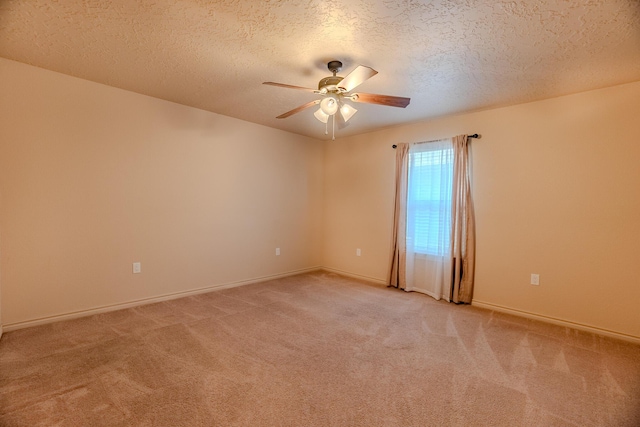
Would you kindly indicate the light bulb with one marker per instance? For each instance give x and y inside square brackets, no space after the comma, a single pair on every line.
[347,112]
[329,105]
[320,115]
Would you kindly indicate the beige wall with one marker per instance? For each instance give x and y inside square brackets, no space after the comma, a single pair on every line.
[557,192]
[94,178]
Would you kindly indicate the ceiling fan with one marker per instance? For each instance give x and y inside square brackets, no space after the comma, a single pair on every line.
[335,90]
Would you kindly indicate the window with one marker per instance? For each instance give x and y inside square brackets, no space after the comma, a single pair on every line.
[429,198]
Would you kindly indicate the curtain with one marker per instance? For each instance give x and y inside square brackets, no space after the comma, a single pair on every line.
[399,238]
[463,233]
[433,232]
[428,216]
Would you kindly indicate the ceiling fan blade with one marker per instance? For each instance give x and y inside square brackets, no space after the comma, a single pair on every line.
[289,86]
[356,77]
[391,101]
[297,110]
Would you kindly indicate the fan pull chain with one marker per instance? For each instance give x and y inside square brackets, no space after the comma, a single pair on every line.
[333,132]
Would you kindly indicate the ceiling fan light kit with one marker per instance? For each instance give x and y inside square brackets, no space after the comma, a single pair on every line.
[320,115]
[347,111]
[334,90]
[329,105]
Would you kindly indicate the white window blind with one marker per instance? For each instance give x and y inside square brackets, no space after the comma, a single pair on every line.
[429,198]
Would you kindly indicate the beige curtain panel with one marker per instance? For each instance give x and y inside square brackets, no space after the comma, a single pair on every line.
[463,225]
[398,277]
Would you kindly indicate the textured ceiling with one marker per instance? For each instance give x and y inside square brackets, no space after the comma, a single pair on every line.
[449,56]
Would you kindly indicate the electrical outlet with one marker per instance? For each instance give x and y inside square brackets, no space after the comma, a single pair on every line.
[277,251]
[535,279]
[136,268]
[358,252]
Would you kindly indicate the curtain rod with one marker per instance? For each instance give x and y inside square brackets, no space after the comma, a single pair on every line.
[475,135]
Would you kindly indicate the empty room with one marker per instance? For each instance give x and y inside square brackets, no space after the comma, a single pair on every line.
[319,213]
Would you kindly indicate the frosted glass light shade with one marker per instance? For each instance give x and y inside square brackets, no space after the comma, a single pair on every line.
[329,105]
[347,111]
[320,115]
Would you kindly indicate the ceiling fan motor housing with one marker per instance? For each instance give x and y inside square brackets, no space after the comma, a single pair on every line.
[329,84]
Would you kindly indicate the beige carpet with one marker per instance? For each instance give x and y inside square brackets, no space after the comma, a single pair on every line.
[314,350]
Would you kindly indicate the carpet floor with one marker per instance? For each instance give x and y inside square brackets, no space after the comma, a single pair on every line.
[316,349]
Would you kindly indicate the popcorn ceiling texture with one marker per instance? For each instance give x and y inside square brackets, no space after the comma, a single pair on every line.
[448,56]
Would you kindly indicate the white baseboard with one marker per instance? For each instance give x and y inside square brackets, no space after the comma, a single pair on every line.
[556,321]
[113,307]
[103,309]
[354,275]
[515,312]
